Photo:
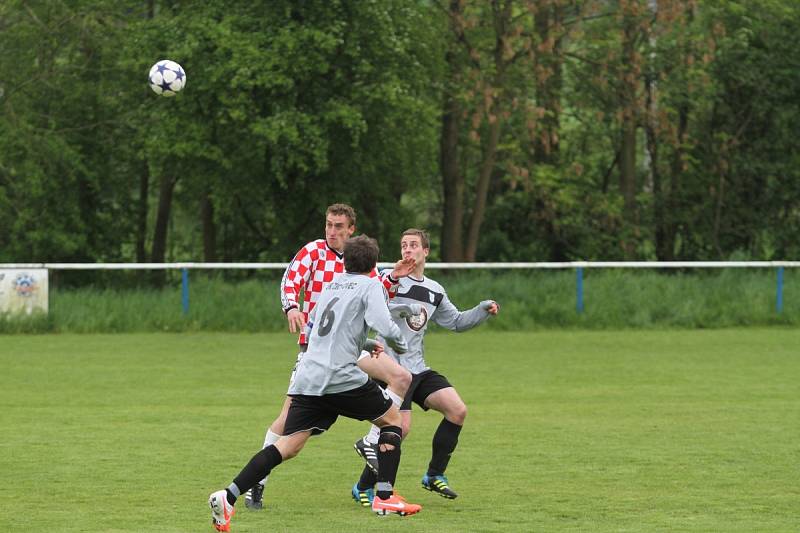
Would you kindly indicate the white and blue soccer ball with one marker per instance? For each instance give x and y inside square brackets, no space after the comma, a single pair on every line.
[167,78]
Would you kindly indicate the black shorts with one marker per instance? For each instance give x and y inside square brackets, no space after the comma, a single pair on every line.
[423,385]
[318,413]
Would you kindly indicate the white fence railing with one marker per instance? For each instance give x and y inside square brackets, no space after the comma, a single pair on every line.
[578,266]
[281,266]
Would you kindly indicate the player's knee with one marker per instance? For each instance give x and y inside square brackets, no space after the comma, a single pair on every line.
[288,449]
[457,414]
[392,417]
[277,426]
[390,438]
[401,381]
[279,423]
[406,426]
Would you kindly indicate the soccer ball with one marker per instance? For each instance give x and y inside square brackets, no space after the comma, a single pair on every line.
[167,78]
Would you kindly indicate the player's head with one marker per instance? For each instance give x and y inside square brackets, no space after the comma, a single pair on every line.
[340,223]
[415,243]
[360,254]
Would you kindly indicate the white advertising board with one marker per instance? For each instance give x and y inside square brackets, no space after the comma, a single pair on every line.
[23,290]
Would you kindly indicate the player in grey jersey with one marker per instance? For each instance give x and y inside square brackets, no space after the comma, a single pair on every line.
[430,390]
[329,383]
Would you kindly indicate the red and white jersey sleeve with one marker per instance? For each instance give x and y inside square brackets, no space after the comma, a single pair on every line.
[313,267]
[386,279]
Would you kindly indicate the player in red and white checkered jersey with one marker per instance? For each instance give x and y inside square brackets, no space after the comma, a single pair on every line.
[314,266]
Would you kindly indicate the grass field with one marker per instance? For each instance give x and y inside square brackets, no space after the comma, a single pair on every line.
[567,431]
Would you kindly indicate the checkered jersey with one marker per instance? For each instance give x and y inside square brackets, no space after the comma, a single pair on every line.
[313,267]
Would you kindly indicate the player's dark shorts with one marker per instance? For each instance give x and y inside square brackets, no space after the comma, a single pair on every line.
[318,413]
[423,385]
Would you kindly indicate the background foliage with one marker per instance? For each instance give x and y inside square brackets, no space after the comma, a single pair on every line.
[512,129]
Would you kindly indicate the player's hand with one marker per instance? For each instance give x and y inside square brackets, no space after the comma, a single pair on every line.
[405,310]
[296,320]
[404,267]
[491,307]
[374,348]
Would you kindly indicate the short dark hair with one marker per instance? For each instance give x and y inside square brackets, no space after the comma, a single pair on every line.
[342,209]
[360,254]
[424,240]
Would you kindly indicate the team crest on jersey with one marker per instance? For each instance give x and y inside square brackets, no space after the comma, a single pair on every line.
[417,322]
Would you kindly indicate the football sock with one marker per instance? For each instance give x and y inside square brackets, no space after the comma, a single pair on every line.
[259,467]
[232,493]
[388,460]
[396,398]
[270,438]
[373,435]
[444,442]
[368,479]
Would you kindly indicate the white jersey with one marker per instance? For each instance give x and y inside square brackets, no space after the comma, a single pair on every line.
[348,307]
[436,306]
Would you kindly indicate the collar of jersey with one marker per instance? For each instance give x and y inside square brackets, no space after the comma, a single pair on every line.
[328,246]
[412,278]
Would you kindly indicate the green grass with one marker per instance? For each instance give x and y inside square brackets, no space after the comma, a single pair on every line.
[533,300]
[567,431]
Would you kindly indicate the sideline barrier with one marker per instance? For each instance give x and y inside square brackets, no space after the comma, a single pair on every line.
[577,265]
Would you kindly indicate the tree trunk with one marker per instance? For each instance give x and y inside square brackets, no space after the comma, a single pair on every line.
[627,169]
[659,200]
[452,177]
[166,187]
[627,160]
[719,203]
[481,190]
[674,198]
[501,15]
[548,82]
[209,229]
[141,213]
[143,206]
[673,202]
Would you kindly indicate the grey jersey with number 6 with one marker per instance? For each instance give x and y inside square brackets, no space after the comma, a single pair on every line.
[347,308]
[436,306]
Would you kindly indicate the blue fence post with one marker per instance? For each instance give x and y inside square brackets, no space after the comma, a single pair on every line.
[579,290]
[185,290]
[779,291]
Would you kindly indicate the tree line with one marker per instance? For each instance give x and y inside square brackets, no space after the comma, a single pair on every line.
[513,130]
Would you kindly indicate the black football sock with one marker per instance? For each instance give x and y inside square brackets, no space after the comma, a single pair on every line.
[368,479]
[388,461]
[444,442]
[257,469]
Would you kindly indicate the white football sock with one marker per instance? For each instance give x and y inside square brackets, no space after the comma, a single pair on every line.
[270,439]
[397,400]
[373,435]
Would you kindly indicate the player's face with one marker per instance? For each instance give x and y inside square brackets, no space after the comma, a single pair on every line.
[337,230]
[411,246]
